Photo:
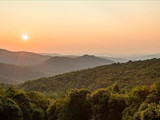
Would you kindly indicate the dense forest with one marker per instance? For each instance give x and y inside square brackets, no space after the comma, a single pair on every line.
[128,75]
[111,103]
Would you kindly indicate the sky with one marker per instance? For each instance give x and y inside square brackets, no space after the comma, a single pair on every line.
[81,27]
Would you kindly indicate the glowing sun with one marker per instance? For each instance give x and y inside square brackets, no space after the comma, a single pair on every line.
[25,37]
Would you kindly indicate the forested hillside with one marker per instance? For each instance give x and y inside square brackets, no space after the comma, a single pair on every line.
[111,103]
[128,75]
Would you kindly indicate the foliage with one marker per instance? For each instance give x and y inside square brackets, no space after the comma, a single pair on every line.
[22,101]
[107,105]
[110,103]
[143,103]
[18,105]
[38,114]
[9,110]
[39,99]
[73,106]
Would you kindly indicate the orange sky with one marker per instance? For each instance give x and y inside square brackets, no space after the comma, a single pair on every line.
[67,27]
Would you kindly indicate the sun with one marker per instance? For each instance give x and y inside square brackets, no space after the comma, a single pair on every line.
[25,37]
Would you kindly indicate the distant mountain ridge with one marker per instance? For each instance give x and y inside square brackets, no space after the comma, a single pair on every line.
[144,57]
[21,57]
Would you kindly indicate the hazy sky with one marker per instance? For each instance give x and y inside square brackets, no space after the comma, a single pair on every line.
[67,27]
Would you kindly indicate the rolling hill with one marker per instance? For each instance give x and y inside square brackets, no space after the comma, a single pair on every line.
[21,57]
[128,75]
[59,65]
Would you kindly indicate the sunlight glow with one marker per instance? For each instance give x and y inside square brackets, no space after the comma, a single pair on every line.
[25,37]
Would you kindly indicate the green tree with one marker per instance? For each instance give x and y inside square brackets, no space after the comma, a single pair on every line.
[38,114]
[73,106]
[9,110]
[106,105]
[134,99]
[39,99]
[148,112]
[79,107]
[22,101]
